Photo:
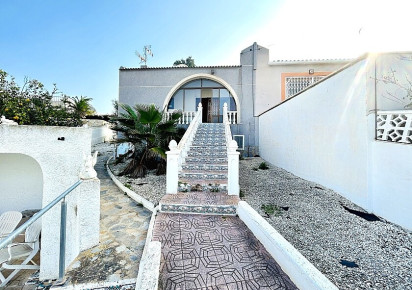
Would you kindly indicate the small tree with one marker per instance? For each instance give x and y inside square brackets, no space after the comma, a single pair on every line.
[146,127]
[80,106]
[190,62]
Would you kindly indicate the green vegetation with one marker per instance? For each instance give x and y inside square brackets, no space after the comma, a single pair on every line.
[127,186]
[146,127]
[32,104]
[241,194]
[263,166]
[190,62]
[271,209]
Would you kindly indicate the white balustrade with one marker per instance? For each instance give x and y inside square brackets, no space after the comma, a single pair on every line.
[178,152]
[394,126]
[232,156]
[187,117]
[232,117]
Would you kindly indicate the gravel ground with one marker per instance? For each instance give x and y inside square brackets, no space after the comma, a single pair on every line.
[152,187]
[316,223]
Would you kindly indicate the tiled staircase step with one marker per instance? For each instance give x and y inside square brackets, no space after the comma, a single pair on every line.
[200,202]
[208,147]
[203,182]
[210,167]
[203,176]
[205,160]
[214,154]
[204,173]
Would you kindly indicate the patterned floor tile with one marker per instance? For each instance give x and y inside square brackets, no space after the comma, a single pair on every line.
[214,252]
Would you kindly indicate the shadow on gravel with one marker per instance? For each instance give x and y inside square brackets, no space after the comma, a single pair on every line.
[367,216]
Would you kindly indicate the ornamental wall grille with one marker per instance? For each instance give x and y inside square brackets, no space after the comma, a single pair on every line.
[394,126]
[294,85]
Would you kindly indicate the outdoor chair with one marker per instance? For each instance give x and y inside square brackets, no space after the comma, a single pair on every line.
[8,222]
[12,255]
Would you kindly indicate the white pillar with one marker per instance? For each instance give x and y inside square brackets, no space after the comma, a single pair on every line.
[172,168]
[200,109]
[232,169]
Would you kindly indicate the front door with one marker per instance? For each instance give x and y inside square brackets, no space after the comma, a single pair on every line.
[210,113]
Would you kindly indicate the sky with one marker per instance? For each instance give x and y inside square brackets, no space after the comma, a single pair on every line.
[80,45]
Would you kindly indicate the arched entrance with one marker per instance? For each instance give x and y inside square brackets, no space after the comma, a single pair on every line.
[21,182]
[209,90]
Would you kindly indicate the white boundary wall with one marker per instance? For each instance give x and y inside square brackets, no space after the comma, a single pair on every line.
[327,135]
[60,164]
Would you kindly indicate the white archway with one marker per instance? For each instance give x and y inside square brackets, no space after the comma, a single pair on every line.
[204,76]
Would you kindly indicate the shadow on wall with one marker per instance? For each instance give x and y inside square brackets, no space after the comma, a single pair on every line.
[21,182]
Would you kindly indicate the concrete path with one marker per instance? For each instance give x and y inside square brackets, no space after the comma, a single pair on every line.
[213,252]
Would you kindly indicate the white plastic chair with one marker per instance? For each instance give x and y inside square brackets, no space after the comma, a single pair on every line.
[15,252]
[8,222]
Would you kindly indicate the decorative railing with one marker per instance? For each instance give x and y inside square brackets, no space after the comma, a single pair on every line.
[232,117]
[232,156]
[297,84]
[177,154]
[187,117]
[394,126]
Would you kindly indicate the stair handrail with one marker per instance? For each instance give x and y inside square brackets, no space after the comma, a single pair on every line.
[232,157]
[178,152]
[36,216]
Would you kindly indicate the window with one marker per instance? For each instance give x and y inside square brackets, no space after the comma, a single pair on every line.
[293,83]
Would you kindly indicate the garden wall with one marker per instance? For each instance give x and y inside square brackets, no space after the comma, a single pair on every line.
[326,134]
[54,159]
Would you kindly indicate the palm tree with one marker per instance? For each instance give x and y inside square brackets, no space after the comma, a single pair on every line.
[80,106]
[146,127]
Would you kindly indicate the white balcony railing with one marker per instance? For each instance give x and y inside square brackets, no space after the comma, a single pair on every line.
[394,126]
[186,118]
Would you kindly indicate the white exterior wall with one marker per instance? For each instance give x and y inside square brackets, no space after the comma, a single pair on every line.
[392,182]
[327,135]
[100,131]
[321,135]
[60,163]
[20,196]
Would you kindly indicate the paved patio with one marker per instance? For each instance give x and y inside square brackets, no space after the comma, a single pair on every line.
[214,252]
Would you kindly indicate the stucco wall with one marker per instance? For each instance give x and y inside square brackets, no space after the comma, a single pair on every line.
[60,162]
[21,181]
[327,135]
[391,197]
[321,135]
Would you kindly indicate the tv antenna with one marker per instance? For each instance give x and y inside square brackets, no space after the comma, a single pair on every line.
[147,50]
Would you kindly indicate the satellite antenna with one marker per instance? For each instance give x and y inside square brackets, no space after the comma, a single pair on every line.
[147,50]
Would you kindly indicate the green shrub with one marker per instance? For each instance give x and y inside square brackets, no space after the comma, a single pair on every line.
[263,166]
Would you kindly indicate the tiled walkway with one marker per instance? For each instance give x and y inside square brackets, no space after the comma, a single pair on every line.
[214,252]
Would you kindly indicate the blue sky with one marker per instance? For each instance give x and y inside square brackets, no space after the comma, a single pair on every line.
[80,45]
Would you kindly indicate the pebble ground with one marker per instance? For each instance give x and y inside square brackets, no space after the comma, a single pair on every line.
[312,218]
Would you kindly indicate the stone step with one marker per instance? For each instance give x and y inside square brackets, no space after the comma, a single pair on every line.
[200,203]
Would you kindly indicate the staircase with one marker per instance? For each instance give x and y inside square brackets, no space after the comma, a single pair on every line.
[203,179]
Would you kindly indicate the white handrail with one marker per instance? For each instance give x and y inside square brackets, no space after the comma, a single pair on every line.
[232,157]
[178,152]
